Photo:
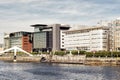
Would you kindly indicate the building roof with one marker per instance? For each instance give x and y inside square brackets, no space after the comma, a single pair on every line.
[38,25]
[21,32]
[88,28]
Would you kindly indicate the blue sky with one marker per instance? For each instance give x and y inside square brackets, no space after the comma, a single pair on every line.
[17,15]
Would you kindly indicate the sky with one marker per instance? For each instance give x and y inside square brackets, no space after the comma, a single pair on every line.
[18,15]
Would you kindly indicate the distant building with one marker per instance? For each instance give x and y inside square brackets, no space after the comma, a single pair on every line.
[48,37]
[6,40]
[87,39]
[103,23]
[1,47]
[21,39]
[115,35]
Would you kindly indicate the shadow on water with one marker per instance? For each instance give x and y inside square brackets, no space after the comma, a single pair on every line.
[46,69]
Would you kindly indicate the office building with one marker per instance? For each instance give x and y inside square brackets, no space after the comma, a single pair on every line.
[48,37]
[87,39]
[21,39]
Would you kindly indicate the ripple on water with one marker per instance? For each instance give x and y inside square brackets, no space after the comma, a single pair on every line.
[37,71]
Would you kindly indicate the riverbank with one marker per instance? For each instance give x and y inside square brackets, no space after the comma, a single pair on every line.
[22,59]
[81,59]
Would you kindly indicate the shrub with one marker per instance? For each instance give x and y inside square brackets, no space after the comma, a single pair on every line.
[82,52]
[61,53]
[102,54]
[74,52]
[116,54]
[89,54]
[45,53]
[35,53]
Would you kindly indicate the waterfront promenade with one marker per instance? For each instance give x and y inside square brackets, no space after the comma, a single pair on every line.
[82,59]
[67,59]
[21,58]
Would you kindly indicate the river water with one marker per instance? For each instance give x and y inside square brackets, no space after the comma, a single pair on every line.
[40,71]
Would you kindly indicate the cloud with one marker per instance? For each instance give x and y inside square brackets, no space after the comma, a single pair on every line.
[58,9]
[20,14]
[16,1]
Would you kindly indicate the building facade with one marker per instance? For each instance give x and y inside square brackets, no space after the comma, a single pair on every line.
[115,35]
[21,39]
[1,47]
[6,41]
[47,37]
[42,41]
[87,39]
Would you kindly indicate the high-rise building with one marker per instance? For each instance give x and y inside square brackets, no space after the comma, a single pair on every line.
[48,37]
[21,39]
[88,39]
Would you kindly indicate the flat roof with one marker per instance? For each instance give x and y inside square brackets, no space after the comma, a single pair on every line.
[20,32]
[37,25]
[87,28]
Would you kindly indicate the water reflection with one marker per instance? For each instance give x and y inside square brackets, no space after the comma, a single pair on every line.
[38,71]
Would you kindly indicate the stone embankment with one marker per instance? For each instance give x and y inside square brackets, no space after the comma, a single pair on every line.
[102,61]
[81,59]
[22,59]
[67,59]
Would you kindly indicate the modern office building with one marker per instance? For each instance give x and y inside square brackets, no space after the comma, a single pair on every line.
[88,39]
[21,39]
[48,37]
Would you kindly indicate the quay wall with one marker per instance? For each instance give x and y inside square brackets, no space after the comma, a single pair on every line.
[22,59]
[67,59]
[81,59]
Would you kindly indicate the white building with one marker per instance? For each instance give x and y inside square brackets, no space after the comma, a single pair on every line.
[88,39]
[115,35]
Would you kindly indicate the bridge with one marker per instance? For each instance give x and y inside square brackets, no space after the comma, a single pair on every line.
[15,57]
[43,57]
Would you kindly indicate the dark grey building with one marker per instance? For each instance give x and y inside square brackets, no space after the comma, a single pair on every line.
[47,37]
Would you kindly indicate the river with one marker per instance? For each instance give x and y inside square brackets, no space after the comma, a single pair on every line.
[40,71]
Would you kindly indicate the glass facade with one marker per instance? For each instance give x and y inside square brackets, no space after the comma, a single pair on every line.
[42,41]
[16,41]
[49,40]
[39,40]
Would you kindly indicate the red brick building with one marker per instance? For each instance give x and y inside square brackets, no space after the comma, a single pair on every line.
[26,44]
